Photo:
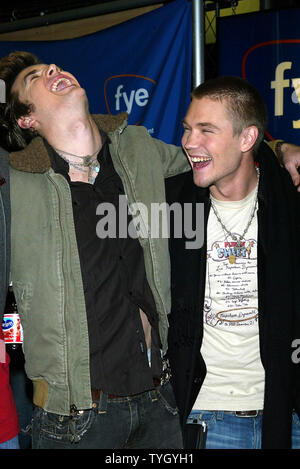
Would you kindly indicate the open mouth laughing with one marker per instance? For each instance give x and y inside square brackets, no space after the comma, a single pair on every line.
[200,162]
[60,83]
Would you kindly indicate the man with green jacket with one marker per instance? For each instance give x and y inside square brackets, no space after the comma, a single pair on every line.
[93,307]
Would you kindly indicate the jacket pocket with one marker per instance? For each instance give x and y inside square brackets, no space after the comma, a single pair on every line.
[53,431]
[23,294]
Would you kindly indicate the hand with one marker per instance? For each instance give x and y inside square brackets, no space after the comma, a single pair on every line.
[291,161]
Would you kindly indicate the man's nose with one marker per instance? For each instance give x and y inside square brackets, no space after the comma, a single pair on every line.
[51,70]
[191,140]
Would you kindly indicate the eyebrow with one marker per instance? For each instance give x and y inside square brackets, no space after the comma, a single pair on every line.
[32,72]
[202,124]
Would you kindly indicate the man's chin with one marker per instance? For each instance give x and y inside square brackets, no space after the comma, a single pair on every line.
[200,181]
[71,90]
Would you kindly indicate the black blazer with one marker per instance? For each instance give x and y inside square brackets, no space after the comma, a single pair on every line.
[278,298]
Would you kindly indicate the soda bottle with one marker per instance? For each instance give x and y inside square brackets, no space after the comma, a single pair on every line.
[11,325]
[20,384]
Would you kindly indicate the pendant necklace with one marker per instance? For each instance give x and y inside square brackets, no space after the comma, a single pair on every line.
[238,250]
[89,165]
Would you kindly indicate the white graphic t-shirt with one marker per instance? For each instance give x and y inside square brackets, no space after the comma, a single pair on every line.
[230,347]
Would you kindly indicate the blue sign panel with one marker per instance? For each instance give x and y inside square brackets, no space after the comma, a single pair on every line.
[142,66]
[264,48]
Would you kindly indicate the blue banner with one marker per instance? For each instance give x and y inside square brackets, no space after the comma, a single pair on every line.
[264,48]
[142,66]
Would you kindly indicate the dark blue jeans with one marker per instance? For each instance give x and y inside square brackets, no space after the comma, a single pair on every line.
[148,420]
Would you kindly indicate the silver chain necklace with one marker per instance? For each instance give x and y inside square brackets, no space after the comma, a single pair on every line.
[238,250]
[89,164]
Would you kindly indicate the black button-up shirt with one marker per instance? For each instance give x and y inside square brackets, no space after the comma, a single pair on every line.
[115,285]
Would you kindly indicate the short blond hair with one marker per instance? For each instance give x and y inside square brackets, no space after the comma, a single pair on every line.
[244,104]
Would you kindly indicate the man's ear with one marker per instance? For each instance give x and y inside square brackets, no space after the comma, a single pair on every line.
[248,138]
[25,122]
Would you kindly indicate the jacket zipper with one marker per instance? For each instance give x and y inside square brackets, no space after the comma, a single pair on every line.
[73,408]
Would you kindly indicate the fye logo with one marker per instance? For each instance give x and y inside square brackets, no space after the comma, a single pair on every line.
[279,83]
[128,93]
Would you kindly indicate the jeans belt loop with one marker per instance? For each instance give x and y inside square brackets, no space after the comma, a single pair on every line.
[102,406]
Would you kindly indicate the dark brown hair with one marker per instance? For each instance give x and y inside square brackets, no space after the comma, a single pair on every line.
[12,136]
[244,104]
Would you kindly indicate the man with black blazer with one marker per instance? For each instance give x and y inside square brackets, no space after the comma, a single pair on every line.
[235,306]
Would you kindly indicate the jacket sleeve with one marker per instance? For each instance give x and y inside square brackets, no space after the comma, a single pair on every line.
[173,158]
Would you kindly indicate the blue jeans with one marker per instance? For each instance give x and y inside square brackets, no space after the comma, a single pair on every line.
[147,420]
[11,444]
[227,431]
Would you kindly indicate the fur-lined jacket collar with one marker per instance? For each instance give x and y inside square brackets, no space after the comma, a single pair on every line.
[35,159]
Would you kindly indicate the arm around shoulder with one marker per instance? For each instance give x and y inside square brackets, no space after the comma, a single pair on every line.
[288,155]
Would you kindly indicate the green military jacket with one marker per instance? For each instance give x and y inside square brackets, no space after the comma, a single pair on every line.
[45,267]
